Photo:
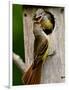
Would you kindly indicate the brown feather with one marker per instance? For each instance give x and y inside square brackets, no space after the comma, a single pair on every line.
[33,76]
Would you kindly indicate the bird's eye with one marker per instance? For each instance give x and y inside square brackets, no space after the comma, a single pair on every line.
[41,13]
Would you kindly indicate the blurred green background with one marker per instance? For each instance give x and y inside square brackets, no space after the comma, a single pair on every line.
[18,40]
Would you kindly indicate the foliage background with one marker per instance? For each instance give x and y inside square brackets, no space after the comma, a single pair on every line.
[18,40]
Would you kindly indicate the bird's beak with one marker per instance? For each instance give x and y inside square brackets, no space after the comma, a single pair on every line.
[36,18]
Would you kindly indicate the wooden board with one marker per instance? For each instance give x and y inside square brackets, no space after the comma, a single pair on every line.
[53,70]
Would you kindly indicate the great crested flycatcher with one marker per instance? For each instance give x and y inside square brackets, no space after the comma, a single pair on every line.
[43,25]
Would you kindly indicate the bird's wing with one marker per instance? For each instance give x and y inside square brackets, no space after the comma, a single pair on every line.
[41,52]
[42,48]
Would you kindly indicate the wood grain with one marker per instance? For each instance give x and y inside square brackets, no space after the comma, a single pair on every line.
[54,68]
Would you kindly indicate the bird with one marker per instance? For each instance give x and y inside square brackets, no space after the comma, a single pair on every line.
[41,44]
[46,20]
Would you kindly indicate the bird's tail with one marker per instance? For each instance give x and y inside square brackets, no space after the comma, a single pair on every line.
[33,75]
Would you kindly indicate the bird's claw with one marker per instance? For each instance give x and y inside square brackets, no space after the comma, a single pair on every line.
[52,54]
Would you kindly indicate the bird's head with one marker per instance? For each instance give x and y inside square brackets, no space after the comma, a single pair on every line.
[39,15]
[46,19]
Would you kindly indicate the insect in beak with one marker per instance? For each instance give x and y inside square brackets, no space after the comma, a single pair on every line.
[37,19]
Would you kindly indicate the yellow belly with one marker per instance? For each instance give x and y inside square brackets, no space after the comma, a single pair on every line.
[46,24]
[44,58]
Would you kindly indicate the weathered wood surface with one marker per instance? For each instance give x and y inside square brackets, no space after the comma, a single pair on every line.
[53,70]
